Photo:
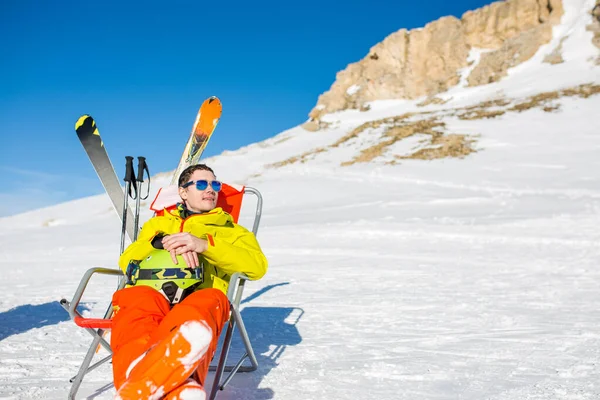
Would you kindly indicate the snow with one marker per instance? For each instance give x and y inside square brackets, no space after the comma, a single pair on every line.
[192,392]
[472,61]
[352,90]
[199,336]
[473,278]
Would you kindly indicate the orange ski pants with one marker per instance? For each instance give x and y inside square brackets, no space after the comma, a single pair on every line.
[144,317]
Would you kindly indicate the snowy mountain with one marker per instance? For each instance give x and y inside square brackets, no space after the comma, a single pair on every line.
[442,247]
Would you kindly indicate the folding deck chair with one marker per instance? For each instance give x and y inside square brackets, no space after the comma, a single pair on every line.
[230,199]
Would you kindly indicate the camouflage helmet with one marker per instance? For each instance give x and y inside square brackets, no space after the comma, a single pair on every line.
[174,281]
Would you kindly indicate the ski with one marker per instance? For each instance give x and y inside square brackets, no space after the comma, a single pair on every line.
[89,136]
[206,121]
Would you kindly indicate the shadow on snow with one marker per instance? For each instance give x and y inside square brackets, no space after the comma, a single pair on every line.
[271,330]
[26,317]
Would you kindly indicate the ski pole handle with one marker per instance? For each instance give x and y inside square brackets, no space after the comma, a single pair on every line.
[130,175]
[129,172]
[141,168]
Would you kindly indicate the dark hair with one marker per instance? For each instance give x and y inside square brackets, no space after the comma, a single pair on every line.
[185,175]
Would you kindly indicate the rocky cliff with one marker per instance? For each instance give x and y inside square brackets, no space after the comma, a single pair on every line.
[428,60]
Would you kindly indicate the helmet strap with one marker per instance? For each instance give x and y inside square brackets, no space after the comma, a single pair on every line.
[172,292]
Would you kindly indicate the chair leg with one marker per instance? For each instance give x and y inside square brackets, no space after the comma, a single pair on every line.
[222,359]
[236,319]
[246,340]
[83,369]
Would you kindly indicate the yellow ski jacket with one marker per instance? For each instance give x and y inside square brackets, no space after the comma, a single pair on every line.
[231,247]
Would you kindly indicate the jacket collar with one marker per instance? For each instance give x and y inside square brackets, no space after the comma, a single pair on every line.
[216,216]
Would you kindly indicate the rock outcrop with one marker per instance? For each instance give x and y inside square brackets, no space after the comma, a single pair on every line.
[427,61]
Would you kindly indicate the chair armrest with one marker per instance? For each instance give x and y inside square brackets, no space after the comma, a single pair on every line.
[236,284]
[95,323]
[71,306]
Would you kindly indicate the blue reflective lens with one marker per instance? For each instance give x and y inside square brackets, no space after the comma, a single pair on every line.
[216,185]
[202,184]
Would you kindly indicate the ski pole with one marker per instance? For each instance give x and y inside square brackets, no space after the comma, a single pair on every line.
[129,176]
[142,167]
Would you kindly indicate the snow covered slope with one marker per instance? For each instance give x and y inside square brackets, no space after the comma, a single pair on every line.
[410,276]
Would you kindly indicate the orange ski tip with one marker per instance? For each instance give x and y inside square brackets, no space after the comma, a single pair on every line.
[204,125]
[209,114]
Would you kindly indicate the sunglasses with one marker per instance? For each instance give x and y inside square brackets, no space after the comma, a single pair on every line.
[202,184]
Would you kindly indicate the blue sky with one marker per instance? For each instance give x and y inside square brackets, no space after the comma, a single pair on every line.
[142,69]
